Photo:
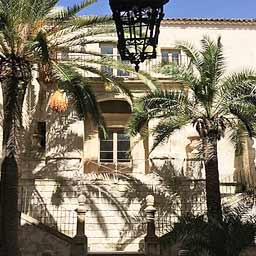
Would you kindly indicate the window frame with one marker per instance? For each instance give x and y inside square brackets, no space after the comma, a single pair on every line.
[110,54]
[38,139]
[115,140]
[113,53]
[170,58]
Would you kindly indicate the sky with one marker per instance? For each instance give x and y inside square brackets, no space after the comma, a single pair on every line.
[243,9]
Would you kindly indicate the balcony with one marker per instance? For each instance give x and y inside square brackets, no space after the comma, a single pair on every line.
[149,66]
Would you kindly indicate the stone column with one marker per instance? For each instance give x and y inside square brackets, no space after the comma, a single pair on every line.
[152,245]
[244,163]
[79,244]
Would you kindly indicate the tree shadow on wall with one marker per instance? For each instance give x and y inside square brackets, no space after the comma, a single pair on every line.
[120,191]
[33,161]
[175,195]
[53,166]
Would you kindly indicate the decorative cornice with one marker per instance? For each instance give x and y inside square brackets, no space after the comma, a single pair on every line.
[209,21]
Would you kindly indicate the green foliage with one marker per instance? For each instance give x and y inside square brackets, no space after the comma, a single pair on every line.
[207,99]
[228,238]
[82,98]
[38,32]
[34,35]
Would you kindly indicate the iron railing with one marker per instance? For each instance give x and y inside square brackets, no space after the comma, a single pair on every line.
[56,217]
[190,198]
[149,66]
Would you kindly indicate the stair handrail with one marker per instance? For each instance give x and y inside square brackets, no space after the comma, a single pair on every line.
[56,217]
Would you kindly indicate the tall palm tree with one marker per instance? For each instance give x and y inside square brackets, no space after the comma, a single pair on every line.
[210,101]
[33,35]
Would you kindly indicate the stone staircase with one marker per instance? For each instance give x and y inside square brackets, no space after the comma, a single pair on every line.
[36,238]
[55,218]
[41,232]
[38,211]
[28,220]
[45,231]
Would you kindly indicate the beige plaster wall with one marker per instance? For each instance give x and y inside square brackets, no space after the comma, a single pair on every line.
[239,52]
[71,143]
[238,40]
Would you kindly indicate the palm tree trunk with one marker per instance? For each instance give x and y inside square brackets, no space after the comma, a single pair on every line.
[213,198]
[9,170]
[9,207]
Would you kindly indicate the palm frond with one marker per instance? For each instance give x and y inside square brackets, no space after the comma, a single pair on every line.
[146,78]
[191,52]
[237,133]
[232,83]
[4,50]
[180,73]
[172,110]
[80,41]
[164,129]
[83,99]
[91,29]
[63,73]
[236,88]
[138,120]
[65,38]
[109,78]
[164,103]
[34,10]
[212,67]
[79,22]
[40,47]
[65,14]
[246,113]
[103,60]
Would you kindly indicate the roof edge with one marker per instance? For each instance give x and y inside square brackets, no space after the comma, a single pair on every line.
[203,21]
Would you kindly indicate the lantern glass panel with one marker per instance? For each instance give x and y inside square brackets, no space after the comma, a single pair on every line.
[137,24]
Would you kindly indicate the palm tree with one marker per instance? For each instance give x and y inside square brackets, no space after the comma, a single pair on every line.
[208,100]
[33,35]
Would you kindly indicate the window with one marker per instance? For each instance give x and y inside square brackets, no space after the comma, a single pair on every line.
[121,72]
[108,50]
[115,148]
[171,56]
[38,137]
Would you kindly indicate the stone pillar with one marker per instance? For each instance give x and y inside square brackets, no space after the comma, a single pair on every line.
[244,163]
[152,245]
[79,244]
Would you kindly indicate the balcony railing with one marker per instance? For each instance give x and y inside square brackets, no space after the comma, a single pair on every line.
[149,66]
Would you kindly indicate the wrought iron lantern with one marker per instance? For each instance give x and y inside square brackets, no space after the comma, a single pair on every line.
[137,25]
